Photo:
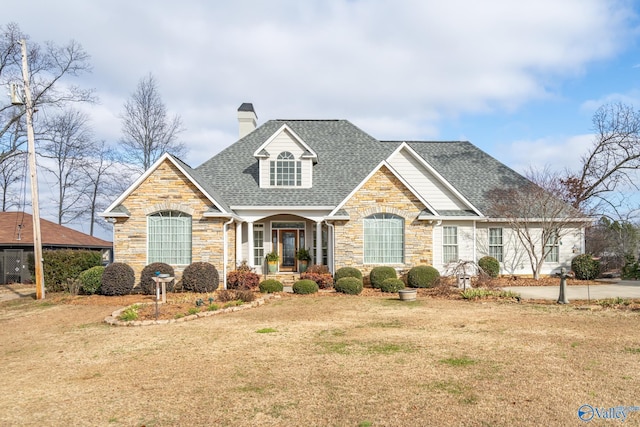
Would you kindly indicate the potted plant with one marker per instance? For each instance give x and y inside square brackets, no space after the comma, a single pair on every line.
[304,257]
[272,261]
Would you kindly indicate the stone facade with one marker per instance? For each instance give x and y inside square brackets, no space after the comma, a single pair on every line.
[383,193]
[168,189]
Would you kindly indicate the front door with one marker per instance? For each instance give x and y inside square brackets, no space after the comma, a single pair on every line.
[287,250]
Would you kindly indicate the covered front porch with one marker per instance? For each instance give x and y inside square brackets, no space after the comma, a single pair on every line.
[284,235]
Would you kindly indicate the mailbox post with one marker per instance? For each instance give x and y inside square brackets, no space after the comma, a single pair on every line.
[562,298]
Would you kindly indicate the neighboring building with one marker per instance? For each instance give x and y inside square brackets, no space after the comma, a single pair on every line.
[325,185]
[16,244]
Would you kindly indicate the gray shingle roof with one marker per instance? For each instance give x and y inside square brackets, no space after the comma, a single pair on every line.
[346,155]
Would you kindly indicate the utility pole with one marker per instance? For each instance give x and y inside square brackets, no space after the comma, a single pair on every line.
[31,144]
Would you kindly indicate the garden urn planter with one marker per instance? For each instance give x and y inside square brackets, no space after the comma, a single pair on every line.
[408,294]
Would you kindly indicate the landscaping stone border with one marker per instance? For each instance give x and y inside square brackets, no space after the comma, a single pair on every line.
[113,319]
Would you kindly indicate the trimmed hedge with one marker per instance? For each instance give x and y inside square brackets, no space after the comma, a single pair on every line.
[305,286]
[489,265]
[585,267]
[117,279]
[147,284]
[270,286]
[91,280]
[349,285]
[347,272]
[62,264]
[379,274]
[200,277]
[391,285]
[243,278]
[422,276]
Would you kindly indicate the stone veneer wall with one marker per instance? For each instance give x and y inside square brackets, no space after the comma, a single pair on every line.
[383,192]
[167,189]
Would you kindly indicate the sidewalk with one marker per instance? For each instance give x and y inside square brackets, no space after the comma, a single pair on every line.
[621,289]
[13,291]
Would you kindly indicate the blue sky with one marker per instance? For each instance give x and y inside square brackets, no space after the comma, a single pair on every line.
[520,79]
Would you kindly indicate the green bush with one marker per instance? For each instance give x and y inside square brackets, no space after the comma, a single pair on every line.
[347,272]
[59,265]
[200,277]
[489,265]
[391,285]
[379,274]
[349,285]
[631,269]
[91,280]
[147,284]
[270,286]
[585,267]
[117,279]
[305,286]
[423,276]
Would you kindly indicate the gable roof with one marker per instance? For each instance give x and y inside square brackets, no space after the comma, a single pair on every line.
[218,205]
[16,229]
[346,156]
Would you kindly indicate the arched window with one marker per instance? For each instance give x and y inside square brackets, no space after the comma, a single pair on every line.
[169,238]
[383,239]
[286,171]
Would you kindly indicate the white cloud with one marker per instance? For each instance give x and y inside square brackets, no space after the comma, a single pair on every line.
[556,153]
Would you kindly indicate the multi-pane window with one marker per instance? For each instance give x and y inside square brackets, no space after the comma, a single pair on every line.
[552,248]
[325,245]
[495,243]
[285,171]
[383,239]
[169,235]
[258,244]
[450,244]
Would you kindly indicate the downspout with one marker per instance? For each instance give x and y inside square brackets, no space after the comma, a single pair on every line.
[475,254]
[225,256]
[333,246]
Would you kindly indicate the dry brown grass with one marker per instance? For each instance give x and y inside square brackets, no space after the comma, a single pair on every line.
[318,360]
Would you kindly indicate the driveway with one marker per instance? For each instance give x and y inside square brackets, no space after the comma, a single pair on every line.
[622,289]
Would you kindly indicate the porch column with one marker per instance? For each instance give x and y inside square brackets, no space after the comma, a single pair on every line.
[250,243]
[318,242]
[238,243]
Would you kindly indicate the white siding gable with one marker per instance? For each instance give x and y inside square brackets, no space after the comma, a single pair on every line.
[281,142]
[427,185]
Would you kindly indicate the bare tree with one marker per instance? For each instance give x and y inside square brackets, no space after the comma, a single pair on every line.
[12,173]
[611,164]
[100,171]
[537,214]
[50,65]
[147,130]
[67,142]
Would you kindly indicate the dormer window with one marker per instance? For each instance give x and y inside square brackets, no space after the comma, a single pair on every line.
[285,171]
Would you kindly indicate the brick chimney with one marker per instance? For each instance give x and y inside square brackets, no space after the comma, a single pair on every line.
[247,119]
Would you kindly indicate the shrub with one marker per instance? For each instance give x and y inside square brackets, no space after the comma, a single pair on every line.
[62,264]
[200,277]
[117,279]
[319,269]
[631,269]
[391,285]
[379,274]
[147,284]
[226,295]
[305,286]
[423,276]
[243,278]
[270,286]
[489,265]
[349,285]
[91,279]
[347,272]
[245,295]
[323,280]
[585,267]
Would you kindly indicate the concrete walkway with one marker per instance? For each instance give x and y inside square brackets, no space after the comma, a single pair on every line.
[622,289]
